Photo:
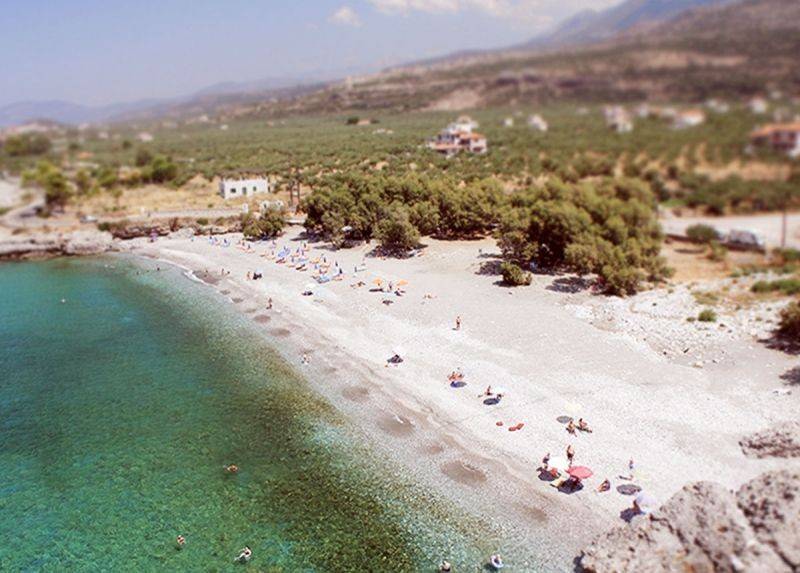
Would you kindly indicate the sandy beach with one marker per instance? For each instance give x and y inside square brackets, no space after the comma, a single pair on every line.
[549,350]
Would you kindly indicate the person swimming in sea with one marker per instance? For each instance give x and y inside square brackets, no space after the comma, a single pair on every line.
[180,541]
[245,555]
[231,469]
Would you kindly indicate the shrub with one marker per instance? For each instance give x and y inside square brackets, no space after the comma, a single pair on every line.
[143,157]
[717,252]
[703,234]
[707,315]
[514,275]
[27,144]
[160,170]
[786,286]
[269,224]
[202,221]
[787,255]
[789,325]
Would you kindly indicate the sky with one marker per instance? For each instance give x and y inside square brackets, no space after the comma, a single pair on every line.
[96,52]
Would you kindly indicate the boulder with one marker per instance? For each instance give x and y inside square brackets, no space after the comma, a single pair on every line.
[781,441]
[705,527]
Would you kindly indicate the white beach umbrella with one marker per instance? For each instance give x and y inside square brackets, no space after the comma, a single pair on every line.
[559,463]
[310,287]
[573,408]
[500,390]
[399,350]
[646,502]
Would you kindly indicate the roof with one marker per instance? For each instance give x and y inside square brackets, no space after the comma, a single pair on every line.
[776,127]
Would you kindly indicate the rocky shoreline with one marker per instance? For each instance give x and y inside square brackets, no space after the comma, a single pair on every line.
[50,245]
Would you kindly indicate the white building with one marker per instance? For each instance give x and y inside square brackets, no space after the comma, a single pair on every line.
[689,118]
[538,123]
[618,119]
[758,105]
[508,122]
[459,136]
[233,188]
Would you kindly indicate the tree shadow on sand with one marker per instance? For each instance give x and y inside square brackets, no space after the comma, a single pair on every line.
[792,376]
[490,268]
[782,344]
[570,285]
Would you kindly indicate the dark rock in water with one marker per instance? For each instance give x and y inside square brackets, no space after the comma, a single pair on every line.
[782,441]
[705,527]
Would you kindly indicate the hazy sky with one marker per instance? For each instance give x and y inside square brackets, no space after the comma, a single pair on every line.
[105,51]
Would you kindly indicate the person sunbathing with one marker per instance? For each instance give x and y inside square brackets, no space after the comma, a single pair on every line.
[571,427]
[583,426]
[604,487]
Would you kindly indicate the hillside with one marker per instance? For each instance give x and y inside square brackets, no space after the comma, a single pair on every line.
[730,51]
[592,25]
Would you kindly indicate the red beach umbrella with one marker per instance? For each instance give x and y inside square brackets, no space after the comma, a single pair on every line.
[580,472]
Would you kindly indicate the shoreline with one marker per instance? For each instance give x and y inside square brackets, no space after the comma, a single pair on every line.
[451,442]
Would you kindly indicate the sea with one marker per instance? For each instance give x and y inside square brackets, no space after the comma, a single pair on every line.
[126,389]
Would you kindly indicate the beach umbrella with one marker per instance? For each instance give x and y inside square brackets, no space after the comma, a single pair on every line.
[378,282]
[500,390]
[646,503]
[399,350]
[559,463]
[310,287]
[580,472]
[402,283]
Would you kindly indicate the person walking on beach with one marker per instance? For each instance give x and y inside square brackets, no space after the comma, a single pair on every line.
[458,323]
[269,304]
[631,467]
[546,462]
[570,454]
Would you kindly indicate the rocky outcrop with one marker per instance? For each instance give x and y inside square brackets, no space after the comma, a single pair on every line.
[782,441]
[131,230]
[54,245]
[705,527]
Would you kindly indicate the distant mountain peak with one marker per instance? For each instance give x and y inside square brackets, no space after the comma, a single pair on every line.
[590,26]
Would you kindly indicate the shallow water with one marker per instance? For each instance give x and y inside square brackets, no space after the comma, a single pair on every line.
[118,409]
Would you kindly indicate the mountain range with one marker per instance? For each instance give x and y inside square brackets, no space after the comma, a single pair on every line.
[638,49]
[591,26]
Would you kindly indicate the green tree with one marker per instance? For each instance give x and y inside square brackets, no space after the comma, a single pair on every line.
[143,157]
[395,232]
[27,144]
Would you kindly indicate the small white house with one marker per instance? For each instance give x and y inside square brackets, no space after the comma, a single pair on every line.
[758,105]
[234,188]
[689,118]
[538,123]
[618,119]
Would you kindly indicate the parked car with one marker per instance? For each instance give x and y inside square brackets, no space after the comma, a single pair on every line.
[746,239]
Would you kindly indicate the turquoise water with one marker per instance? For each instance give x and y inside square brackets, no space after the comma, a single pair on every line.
[119,408]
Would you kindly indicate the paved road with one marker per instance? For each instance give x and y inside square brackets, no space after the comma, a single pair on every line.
[769,226]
